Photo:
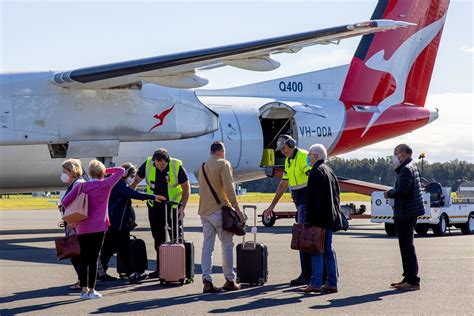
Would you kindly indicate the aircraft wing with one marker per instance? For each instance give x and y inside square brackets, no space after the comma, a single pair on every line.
[179,70]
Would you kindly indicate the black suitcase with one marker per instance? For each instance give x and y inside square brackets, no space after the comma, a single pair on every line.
[189,255]
[252,258]
[189,248]
[138,260]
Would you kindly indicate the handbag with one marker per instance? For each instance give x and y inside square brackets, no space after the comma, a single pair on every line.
[308,238]
[67,247]
[78,209]
[230,220]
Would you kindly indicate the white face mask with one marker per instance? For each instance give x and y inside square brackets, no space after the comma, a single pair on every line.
[64,177]
[130,180]
[395,161]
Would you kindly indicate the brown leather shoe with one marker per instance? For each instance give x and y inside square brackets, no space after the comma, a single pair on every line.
[328,289]
[310,289]
[231,285]
[209,287]
[407,287]
[395,284]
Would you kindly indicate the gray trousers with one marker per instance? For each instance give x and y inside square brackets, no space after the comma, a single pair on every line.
[212,226]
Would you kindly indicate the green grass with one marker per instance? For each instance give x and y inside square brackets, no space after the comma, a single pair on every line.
[27,202]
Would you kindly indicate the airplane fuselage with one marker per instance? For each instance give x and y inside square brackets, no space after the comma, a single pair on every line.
[43,124]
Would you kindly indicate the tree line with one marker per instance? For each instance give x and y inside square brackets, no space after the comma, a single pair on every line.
[381,171]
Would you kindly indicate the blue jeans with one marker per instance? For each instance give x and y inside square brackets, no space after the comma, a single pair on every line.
[327,258]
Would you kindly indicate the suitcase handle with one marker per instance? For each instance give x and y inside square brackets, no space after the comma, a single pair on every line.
[173,203]
[254,228]
[169,208]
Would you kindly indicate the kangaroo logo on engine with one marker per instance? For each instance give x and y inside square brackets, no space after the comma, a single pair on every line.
[320,131]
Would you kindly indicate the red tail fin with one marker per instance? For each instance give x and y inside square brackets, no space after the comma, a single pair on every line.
[397,62]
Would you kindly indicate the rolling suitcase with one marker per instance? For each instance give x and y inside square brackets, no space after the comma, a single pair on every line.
[138,257]
[189,249]
[189,256]
[172,253]
[252,257]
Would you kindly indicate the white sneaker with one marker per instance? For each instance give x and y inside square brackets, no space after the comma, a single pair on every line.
[84,296]
[94,294]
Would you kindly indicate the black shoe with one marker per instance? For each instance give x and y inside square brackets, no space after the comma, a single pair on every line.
[299,281]
[154,275]
[106,278]
[135,277]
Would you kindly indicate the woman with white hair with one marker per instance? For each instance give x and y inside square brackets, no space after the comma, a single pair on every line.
[322,204]
[90,232]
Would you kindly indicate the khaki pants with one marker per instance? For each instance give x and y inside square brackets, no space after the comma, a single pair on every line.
[212,226]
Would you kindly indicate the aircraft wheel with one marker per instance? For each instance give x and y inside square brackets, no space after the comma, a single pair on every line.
[440,228]
[269,222]
[468,228]
[390,230]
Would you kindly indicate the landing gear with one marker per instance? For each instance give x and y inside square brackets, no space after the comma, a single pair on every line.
[107,161]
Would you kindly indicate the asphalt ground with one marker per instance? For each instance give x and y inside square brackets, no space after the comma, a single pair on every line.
[34,282]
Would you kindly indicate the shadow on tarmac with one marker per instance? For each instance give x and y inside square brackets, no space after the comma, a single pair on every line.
[356,300]
[246,292]
[59,291]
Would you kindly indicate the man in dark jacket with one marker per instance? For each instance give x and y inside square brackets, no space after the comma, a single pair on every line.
[407,207]
[322,207]
[117,236]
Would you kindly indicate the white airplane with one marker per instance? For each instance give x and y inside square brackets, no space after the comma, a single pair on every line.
[123,111]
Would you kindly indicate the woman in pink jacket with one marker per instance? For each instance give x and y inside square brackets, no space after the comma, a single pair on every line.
[90,232]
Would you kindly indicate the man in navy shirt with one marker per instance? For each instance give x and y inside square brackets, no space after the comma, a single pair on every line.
[167,177]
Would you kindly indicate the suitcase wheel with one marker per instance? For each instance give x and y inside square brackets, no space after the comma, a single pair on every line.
[181,282]
[261,281]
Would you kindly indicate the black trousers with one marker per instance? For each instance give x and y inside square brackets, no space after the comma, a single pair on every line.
[116,241]
[156,217]
[405,229]
[91,245]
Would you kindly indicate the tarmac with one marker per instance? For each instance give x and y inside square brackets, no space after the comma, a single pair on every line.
[33,281]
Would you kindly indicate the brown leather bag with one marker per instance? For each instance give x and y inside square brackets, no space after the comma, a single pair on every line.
[230,220]
[67,247]
[308,238]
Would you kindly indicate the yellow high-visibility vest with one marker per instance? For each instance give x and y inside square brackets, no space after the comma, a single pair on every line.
[297,170]
[175,192]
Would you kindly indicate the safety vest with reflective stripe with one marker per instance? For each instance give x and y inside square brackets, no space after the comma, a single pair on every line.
[296,171]
[175,192]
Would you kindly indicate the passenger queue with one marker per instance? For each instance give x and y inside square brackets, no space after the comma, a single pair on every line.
[109,218]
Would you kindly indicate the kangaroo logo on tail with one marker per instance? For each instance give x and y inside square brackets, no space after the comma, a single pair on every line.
[399,65]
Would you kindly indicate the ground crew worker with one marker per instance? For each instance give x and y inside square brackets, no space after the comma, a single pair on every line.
[167,177]
[296,178]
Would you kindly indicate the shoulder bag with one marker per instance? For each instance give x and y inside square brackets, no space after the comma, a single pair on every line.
[78,209]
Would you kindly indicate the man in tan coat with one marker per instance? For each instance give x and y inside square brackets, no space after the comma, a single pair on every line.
[219,173]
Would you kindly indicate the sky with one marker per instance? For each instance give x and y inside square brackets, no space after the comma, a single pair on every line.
[63,35]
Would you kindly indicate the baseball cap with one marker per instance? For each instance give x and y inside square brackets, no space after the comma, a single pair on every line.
[282,140]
